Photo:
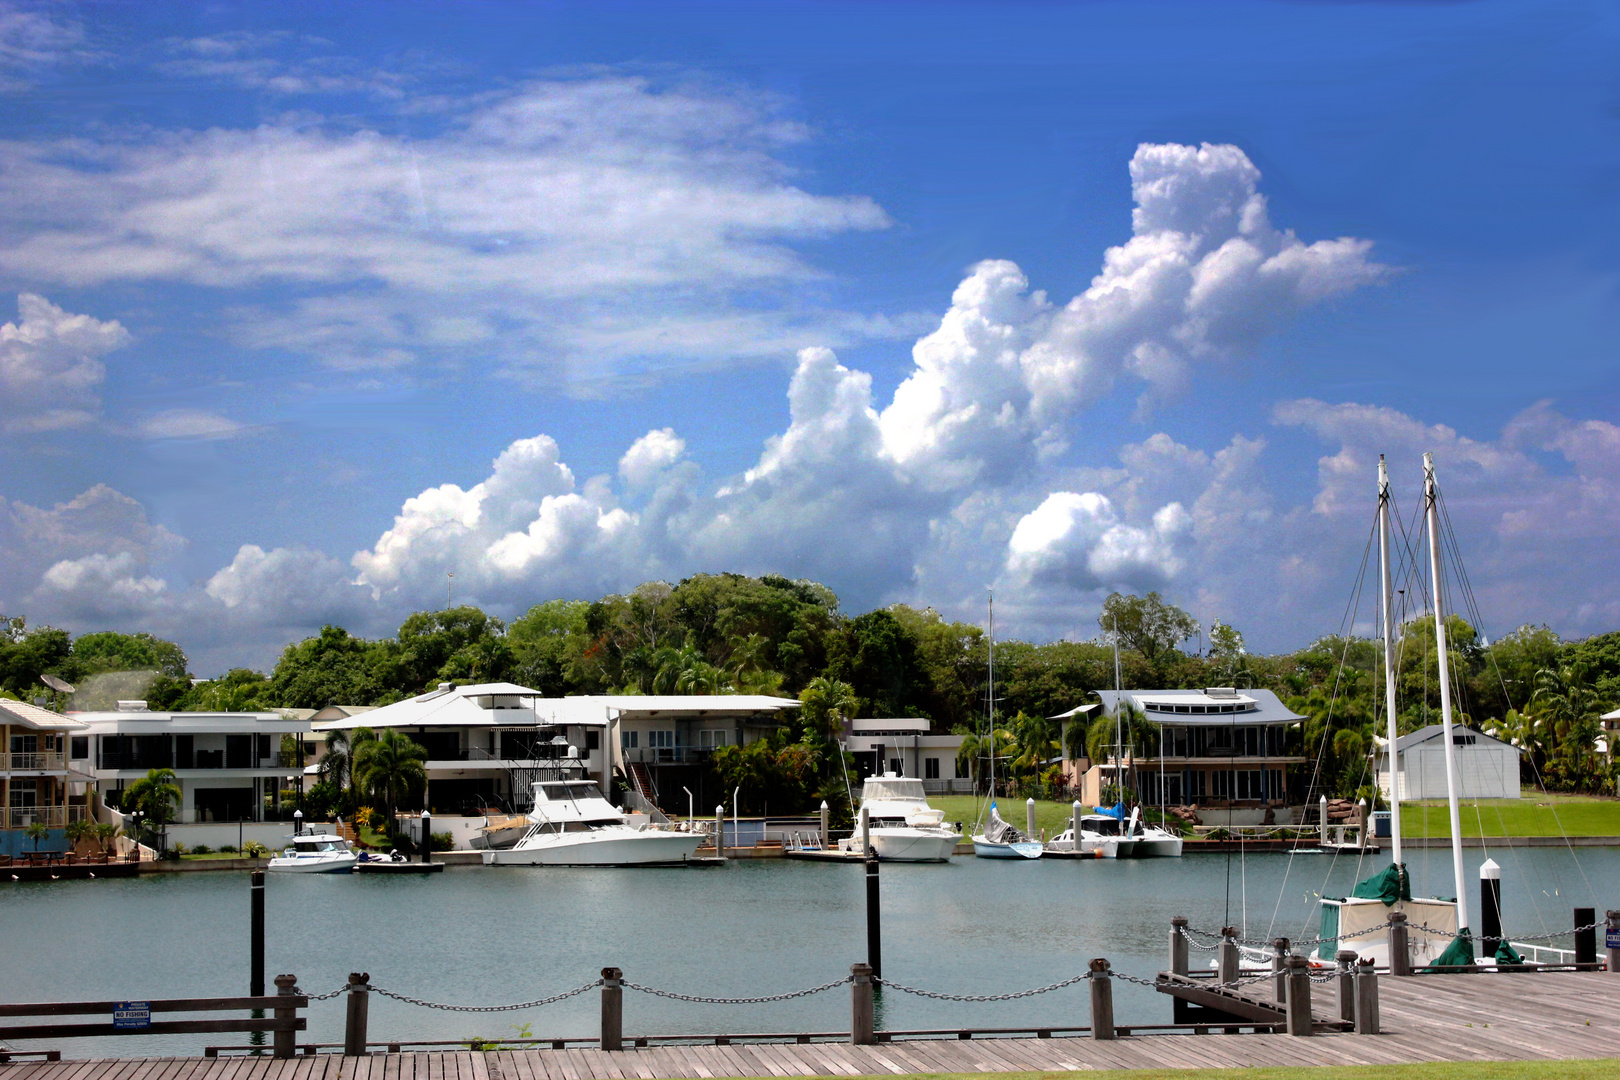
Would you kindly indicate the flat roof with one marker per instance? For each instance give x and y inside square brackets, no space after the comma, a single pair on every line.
[191,723]
[1177,707]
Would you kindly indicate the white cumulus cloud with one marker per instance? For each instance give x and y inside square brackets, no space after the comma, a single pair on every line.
[50,366]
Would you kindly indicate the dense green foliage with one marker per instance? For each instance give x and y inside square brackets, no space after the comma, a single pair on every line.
[727,633]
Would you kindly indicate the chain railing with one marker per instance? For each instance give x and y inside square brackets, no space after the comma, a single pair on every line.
[673,996]
[537,1003]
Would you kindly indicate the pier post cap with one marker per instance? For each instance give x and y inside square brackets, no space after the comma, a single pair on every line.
[1294,961]
[824,805]
[1178,920]
[1366,962]
[1346,956]
[286,984]
[1490,871]
[1099,966]
[1229,932]
[1612,916]
[611,976]
[360,978]
[861,972]
[1280,944]
[1396,916]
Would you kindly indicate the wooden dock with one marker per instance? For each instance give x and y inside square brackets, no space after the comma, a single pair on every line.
[1484,1017]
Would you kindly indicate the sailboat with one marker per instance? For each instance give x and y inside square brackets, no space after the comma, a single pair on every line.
[1440,934]
[999,839]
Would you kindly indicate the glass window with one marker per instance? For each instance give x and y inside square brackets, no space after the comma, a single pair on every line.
[81,747]
[661,740]
[931,768]
[628,739]
[593,740]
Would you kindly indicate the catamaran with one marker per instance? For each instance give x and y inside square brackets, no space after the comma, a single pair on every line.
[572,824]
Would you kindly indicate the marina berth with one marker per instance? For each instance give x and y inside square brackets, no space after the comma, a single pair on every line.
[902,827]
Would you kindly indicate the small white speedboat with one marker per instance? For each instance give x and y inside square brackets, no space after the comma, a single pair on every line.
[999,840]
[1091,845]
[573,825]
[316,853]
[904,828]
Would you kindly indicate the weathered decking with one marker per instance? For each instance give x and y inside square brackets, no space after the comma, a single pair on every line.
[1427,1018]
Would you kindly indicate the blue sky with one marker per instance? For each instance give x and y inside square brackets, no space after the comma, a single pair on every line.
[316,304]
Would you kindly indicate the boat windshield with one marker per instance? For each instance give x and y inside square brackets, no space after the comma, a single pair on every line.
[893,788]
[1101,825]
[570,791]
[319,843]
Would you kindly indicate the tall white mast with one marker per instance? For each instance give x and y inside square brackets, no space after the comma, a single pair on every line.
[1119,726]
[990,702]
[1431,501]
[1389,657]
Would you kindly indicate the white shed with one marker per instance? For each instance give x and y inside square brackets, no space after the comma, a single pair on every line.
[1487,767]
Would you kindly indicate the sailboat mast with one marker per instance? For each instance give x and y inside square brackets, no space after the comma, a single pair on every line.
[1119,726]
[1431,501]
[990,700]
[1389,658]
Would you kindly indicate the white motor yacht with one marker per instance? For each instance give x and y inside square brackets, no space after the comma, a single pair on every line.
[904,828]
[316,853]
[572,824]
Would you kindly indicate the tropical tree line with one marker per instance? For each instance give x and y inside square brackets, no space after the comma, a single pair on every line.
[729,633]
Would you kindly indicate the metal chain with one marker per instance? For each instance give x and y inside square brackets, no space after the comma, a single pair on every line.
[1082,977]
[489,1008]
[325,997]
[1259,943]
[734,1001]
[1554,934]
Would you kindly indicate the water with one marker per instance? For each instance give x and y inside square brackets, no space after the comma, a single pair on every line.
[482,937]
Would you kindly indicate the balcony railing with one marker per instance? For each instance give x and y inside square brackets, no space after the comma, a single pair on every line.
[53,817]
[34,762]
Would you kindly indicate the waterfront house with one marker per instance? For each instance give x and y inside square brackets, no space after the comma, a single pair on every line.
[228,766]
[1220,749]
[38,783]
[1487,767]
[904,746]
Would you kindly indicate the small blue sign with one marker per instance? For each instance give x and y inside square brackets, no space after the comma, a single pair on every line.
[132,1014]
[1611,938]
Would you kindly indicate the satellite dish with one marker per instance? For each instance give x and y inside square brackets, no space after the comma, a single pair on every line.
[60,685]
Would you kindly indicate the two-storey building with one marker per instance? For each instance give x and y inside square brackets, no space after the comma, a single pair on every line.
[1221,749]
[37,780]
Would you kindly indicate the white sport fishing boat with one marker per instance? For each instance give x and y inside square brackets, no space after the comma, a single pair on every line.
[904,828]
[572,824]
[315,853]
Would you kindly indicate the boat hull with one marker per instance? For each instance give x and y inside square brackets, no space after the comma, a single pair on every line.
[572,849]
[293,865]
[914,845]
[986,849]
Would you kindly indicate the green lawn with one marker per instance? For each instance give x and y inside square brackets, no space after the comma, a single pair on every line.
[1536,814]
[1051,816]
[1470,1070]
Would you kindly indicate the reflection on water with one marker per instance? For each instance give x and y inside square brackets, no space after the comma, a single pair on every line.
[479,937]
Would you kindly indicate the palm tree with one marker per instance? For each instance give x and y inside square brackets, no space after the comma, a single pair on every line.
[106,832]
[1570,712]
[390,766]
[79,829]
[155,796]
[37,831]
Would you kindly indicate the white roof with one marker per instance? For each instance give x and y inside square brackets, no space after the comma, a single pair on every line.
[863,727]
[600,709]
[510,705]
[184,723]
[477,705]
[1611,715]
[32,716]
[1078,710]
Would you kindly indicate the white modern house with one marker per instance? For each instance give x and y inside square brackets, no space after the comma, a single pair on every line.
[228,767]
[904,746]
[1487,767]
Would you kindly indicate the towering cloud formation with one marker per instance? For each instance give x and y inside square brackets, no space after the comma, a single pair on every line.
[50,366]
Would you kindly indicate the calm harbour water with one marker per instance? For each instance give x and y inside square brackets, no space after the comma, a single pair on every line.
[482,937]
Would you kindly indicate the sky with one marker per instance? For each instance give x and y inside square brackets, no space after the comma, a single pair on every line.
[316,313]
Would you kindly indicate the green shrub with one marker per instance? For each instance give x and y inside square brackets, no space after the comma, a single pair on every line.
[202,849]
[255,849]
[442,841]
[227,849]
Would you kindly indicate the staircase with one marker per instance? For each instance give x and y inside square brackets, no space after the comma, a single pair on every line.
[348,832]
[641,780]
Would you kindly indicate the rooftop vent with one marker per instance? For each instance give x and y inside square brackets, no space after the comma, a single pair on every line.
[132,706]
[446,687]
[1220,692]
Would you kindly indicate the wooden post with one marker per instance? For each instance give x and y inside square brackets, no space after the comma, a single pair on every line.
[1366,998]
[1279,961]
[256,935]
[1585,935]
[1321,820]
[286,986]
[1400,955]
[1346,982]
[354,1028]
[1298,976]
[860,1005]
[874,918]
[1230,960]
[1178,945]
[825,842]
[1490,907]
[1029,817]
[1074,823]
[612,1009]
[720,831]
[1611,939]
[427,836]
[1102,1000]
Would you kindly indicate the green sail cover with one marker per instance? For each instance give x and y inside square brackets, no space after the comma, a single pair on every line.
[1505,954]
[1460,953]
[1389,885]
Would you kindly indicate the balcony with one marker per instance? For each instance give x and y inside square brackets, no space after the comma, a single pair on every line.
[53,817]
[34,762]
